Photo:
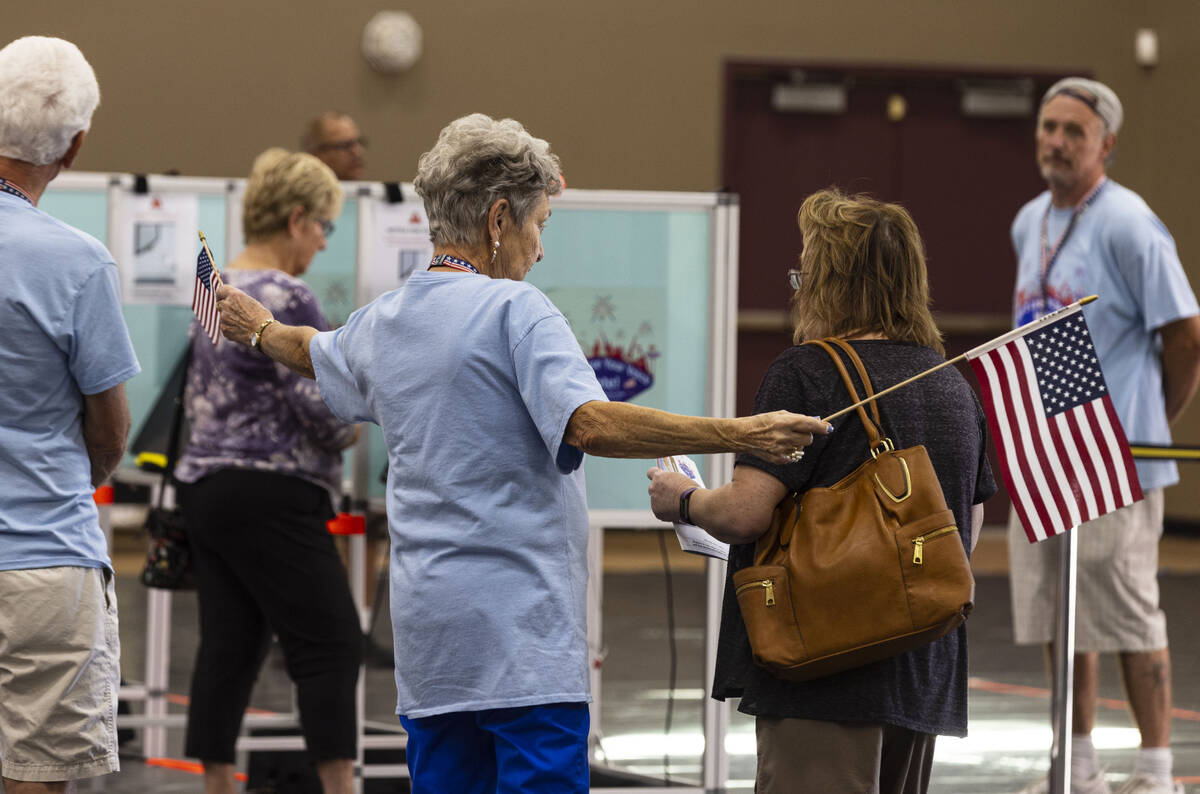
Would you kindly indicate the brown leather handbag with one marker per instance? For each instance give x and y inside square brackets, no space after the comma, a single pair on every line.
[867,568]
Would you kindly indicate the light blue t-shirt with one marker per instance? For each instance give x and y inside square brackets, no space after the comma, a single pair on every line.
[473,381]
[61,336]
[1122,252]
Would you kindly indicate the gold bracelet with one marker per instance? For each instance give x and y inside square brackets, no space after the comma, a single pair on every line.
[256,337]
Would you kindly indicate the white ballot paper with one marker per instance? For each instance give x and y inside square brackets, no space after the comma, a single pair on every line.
[693,538]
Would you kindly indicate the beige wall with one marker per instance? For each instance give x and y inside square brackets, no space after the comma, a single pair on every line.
[629,93]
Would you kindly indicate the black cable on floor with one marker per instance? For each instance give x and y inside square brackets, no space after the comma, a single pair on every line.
[662,547]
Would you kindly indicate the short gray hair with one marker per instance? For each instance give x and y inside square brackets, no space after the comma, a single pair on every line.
[48,93]
[476,162]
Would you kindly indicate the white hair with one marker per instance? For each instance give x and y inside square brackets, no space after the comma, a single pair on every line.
[475,162]
[48,93]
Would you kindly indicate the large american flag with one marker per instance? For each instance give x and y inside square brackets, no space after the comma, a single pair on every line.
[1062,451]
[204,296]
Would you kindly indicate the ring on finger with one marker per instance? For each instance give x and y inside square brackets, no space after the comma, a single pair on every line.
[796,455]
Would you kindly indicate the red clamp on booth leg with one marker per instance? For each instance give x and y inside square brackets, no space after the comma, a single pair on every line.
[347,524]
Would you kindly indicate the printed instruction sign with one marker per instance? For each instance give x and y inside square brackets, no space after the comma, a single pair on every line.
[401,244]
[157,248]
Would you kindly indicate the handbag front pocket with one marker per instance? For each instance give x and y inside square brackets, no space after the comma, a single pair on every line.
[937,575]
[764,597]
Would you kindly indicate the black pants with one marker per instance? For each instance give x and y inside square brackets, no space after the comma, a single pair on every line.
[265,563]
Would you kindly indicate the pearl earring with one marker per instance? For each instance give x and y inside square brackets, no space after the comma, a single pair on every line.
[495,250]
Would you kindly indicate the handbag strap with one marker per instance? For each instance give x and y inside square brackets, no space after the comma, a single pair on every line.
[862,374]
[873,433]
[873,428]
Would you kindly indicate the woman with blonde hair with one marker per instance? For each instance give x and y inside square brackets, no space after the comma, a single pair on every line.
[862,278]
[257,480]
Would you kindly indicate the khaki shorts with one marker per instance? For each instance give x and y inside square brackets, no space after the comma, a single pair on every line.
[796,755]
[1116,594]
[59,674]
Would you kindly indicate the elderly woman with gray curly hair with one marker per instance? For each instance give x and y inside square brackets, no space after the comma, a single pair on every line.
[487,406]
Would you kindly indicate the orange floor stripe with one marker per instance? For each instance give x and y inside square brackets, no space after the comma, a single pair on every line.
[190,767]
[985,685]
[1007,689]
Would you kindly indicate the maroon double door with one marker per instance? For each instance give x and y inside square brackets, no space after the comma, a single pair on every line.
[901,135]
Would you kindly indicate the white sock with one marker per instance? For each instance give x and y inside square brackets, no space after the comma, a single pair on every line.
[1083,758]
[1154,761]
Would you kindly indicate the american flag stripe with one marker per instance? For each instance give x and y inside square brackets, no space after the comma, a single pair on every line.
[1061,485]
[1000,417]
[1057,487]
[204,297]
[1116,474]
[1084,437]
[1129,471]
[1082,498]
[1099,443]
[1063,453]
[1014,440]
[1035,478]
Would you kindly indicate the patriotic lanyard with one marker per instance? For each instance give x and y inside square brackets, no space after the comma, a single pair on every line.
[1050,255]
[445,260]
[13,190]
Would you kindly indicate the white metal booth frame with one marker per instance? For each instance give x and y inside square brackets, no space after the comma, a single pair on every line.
[722,210]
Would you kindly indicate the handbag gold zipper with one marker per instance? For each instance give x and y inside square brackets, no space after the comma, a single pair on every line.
[768,584]
[919,543]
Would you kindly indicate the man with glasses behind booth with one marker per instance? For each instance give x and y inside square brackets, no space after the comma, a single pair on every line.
[334,139]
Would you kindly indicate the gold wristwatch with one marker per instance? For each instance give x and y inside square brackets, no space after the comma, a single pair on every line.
[256,337]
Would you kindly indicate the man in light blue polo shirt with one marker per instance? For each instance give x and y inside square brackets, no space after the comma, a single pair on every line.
[65,354]
[1088,235]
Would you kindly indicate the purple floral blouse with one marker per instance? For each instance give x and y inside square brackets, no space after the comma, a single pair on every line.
[247,412]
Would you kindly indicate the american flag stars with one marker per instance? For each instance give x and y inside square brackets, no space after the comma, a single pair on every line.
[1065,364]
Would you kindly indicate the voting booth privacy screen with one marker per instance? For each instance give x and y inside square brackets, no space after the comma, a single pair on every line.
[645,279]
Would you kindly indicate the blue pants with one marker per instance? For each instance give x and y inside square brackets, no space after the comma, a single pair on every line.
[522,750]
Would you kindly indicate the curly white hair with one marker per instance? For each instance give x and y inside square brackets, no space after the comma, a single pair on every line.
[476,161]
[48,93]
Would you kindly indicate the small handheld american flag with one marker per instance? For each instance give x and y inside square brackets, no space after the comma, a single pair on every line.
[204,298]
[1062,450]
[1063,453]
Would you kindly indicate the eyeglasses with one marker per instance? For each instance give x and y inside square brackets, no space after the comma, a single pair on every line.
[327,227]
[343,146]
[794,278]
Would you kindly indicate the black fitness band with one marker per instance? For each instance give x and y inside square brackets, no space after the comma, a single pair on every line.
[685,498]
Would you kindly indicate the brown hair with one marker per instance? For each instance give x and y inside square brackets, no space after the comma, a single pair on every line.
[862,271]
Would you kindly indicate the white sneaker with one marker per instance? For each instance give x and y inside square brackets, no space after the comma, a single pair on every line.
[1149,784]
[1094,785]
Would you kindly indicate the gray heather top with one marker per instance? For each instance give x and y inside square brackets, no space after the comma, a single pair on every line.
[247,412]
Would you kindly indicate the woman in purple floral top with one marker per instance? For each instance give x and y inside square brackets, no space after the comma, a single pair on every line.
[258,475]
